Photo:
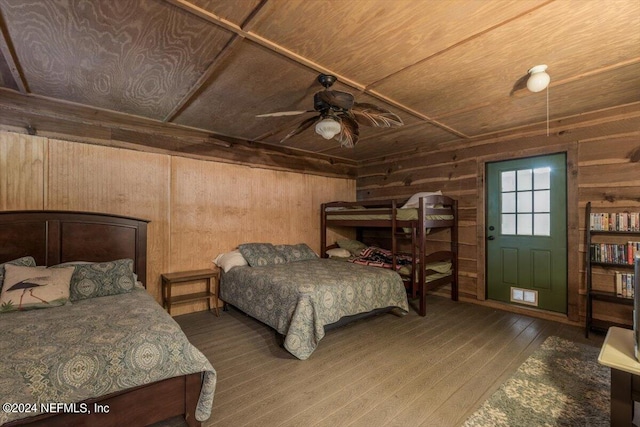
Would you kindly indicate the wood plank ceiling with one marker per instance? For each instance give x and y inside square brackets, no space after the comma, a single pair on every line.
[452,70]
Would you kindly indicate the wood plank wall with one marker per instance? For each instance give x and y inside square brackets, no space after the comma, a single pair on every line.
[22,172]
[197,208]
[603,152]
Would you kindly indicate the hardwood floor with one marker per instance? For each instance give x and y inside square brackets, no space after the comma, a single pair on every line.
[382,371]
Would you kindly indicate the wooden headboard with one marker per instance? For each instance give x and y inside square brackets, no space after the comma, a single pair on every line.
[53,237]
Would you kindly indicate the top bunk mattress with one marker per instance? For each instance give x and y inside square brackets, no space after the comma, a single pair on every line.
[402,214]
[435,207]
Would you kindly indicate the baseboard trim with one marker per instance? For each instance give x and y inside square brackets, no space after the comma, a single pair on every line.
[529,311]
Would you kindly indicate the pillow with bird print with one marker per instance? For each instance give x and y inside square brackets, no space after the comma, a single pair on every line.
[27,261]
[27,288]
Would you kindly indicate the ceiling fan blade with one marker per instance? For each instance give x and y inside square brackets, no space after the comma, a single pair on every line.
[349,134]
[305,124]
[336,98]
[372,115]
[285,113]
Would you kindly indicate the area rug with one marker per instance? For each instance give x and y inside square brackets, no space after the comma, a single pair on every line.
[560,384]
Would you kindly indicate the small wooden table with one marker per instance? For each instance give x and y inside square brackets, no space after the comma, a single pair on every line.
[170,279]
[617,353]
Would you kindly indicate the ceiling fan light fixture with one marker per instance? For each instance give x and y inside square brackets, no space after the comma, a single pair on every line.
[328,128]
[538,78]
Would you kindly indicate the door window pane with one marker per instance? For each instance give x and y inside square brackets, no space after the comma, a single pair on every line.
[508,181]
[524,180]
[524,201]
[525,224]
[542,178]
[508,202]
[524,192]
[542,224]
[542,201]
[508,225]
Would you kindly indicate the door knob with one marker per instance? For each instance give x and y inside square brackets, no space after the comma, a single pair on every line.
[490,238]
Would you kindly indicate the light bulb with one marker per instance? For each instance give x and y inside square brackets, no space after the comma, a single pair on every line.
[328,128]
[538,79]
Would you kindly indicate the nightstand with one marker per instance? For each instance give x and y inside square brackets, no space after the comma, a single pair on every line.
[618,354]
[181,277]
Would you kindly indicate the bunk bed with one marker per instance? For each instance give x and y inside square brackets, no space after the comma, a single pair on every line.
[410,220]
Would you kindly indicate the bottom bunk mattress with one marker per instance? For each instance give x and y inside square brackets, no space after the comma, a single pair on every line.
[94,347]
[300,298]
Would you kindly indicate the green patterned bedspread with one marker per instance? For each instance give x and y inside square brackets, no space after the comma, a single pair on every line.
[94,347]
[299,298]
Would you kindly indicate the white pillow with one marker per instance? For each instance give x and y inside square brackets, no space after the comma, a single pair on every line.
[338,253]
[228,260]
[415,199]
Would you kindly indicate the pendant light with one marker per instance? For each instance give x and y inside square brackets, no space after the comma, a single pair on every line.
[539,81]
[538,78]
[328,127]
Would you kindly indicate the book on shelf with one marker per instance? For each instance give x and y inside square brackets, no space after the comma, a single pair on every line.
[614,253]
[624,285]
[614,221]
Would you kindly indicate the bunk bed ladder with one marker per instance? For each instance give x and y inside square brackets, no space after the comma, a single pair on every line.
[414,264]
[400,232]
[323,230]
[421,262]
[394,242]
[454,251]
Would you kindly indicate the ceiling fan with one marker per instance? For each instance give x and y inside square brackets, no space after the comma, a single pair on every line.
[340,116]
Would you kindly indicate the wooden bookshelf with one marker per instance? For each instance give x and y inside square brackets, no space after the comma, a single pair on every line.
[592,323]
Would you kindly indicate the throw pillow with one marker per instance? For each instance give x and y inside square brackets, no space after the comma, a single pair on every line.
[353,246]
[27,261]
[415,199]
[27,288]
[228,260]
[299,252]
[260,254]
[101,279]
[338,253]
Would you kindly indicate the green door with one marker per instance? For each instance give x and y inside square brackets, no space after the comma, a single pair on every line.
[526,232]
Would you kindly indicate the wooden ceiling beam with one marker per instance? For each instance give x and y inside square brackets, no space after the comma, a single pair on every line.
[416,113]
[74,122]
[204,78]
[226,24]
[211,69]
[6,47]
[460,43]
[569,126]
[244,33]
[250,20]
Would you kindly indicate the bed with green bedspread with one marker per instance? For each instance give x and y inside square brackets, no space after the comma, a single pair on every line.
[94,347]
[299,299]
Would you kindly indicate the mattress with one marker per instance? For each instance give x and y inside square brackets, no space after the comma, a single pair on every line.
[94,347]
[436,270]
[363,215]
[299,299]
